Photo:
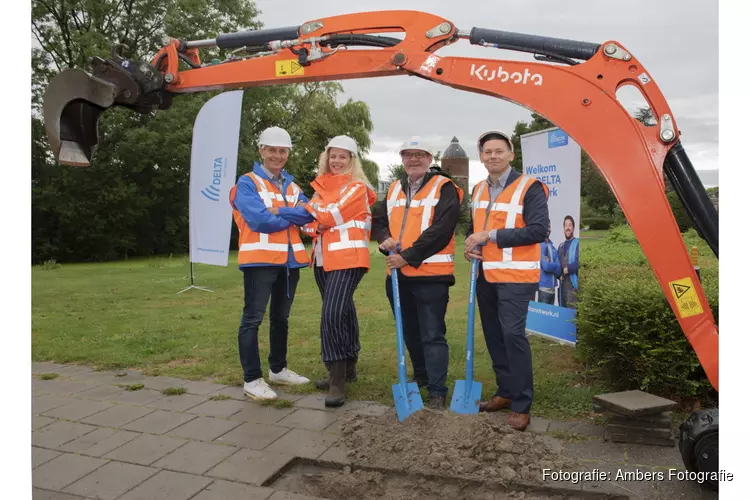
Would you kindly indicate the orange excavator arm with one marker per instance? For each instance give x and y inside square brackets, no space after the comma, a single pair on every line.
[574,85]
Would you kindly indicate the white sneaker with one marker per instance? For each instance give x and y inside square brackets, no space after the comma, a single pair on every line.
[258,389]
[287,377]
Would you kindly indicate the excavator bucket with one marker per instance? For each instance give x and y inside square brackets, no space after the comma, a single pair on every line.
[72,105]
[75,99]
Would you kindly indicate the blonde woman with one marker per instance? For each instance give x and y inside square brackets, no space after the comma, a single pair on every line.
[341,257]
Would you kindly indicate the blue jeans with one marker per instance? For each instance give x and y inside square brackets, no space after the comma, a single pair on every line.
[262,283]
[546,297]
[423,307]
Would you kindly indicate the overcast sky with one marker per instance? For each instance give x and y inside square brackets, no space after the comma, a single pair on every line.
[676,40]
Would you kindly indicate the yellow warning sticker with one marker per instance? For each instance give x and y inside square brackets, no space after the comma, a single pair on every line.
[289,68]
[688,303]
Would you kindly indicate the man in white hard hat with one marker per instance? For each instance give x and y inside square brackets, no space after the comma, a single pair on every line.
[510,218]
[418,221]
[270,256]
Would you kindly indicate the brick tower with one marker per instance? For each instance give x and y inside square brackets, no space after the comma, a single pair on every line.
[455,162]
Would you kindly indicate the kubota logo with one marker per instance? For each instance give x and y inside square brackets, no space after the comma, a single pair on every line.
[484,74]
[213,191]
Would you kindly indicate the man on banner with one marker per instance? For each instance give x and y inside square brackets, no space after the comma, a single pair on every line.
[551,270]
[510,216]
[271,253]
[569,263]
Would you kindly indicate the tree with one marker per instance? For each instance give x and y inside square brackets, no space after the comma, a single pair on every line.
[396,171]
[538,122]
[133,199]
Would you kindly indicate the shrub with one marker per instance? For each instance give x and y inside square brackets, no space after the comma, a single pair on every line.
[680,214]
[598,222]
[626,328]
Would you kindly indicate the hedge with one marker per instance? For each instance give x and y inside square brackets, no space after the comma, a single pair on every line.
[627,331]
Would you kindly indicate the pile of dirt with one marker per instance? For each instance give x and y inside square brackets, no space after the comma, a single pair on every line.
[460,446]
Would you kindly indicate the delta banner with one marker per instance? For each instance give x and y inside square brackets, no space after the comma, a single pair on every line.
[554,158]
[213,170]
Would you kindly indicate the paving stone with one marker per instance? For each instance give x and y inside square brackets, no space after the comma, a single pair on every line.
[645,432]
[616,437]
[251,466]
[286,495]
[335,428]
[40,388]
[204,428]
[40,456]
[366,408]
[203,388]
[261,414]
[96,377]
[168,485]
[177,403]
[335,454]
[633,403]
[59,433]
[40,494]
[225,408]
[43,404]
[538,425]
[118,415]
[100,393]
[289,396]
[64,470]
[88,440]
[37,422]
[72,370]
[303,443]
[314,420]
[234,392]
[129,377]
[223,490]
[145,450]
[159,383]
[110,443]
[313,402]
[195,457]
[111,480]
[159,422]
[44,367]
[250,435]
[66,387]
[136,398]
[78,410]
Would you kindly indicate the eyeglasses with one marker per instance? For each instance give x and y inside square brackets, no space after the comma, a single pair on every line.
[415,154]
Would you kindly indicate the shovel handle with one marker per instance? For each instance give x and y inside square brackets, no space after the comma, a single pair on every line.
[399,328]
[470,324]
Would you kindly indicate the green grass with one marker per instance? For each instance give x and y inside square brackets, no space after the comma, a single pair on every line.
[128,315]
[220,397]
[132,387]
[173,391]
[279,404]
[49,376]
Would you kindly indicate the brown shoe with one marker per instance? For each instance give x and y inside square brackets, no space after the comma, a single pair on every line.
[494,404]
[519,421]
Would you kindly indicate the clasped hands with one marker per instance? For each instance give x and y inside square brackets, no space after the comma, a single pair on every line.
[394,261]
[473,244]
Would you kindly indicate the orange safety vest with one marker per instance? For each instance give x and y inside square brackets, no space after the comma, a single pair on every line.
[513,264]
[343,205]
[419,216]
[269,248]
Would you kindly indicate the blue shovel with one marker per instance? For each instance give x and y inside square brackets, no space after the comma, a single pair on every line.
[467,393]
[406,396]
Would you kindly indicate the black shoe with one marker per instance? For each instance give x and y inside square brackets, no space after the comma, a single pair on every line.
[436,402]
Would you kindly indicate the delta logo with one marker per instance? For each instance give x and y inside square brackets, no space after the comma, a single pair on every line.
[213,190]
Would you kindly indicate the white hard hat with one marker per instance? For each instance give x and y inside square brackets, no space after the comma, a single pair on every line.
[415,142]
[492,132]
[275,136]
[343,142]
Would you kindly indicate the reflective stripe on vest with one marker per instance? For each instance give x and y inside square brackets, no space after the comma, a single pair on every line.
[426,199]
[270,248]
[512,264]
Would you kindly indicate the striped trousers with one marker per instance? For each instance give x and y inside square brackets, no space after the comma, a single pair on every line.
[339,328]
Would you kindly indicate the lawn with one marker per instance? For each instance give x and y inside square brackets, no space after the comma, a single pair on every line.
[128,314]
